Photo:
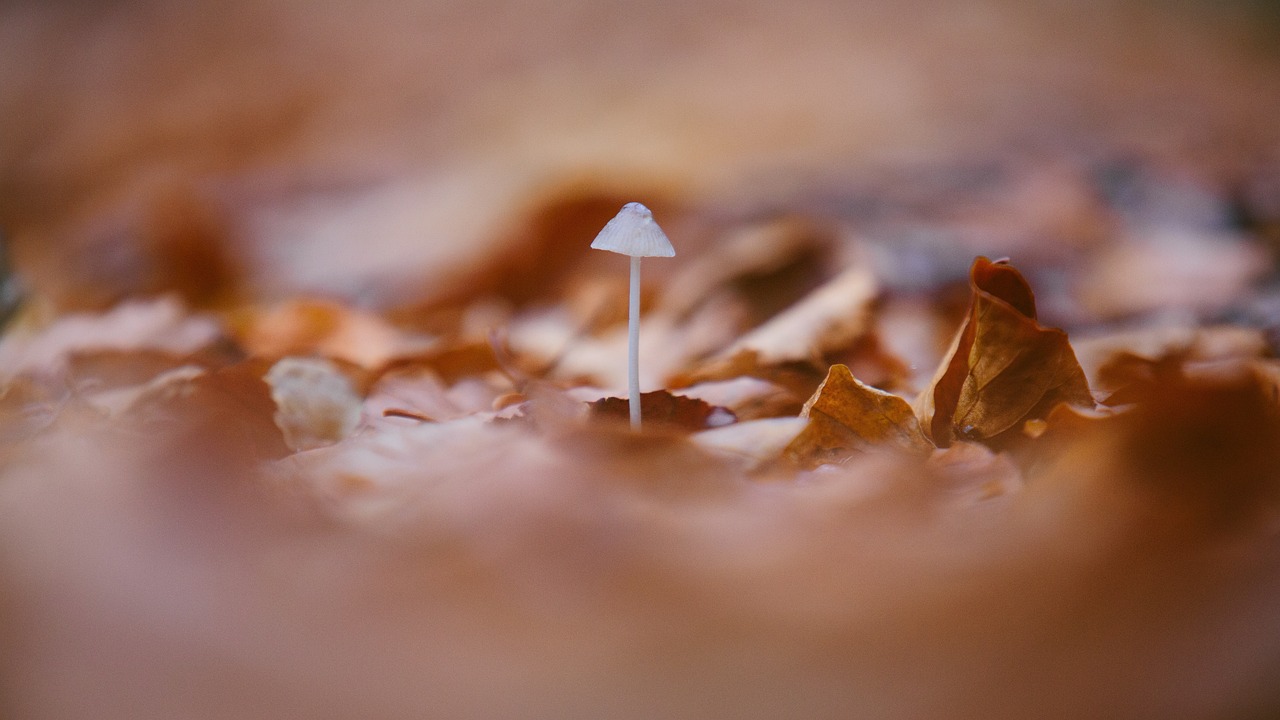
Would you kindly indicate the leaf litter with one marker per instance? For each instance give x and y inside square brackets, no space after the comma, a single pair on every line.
[776,420]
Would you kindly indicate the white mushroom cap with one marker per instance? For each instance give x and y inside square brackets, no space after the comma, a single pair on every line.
[633,232]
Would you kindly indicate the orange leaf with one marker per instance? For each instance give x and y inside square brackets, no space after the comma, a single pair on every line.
[846,416]
[1003,367]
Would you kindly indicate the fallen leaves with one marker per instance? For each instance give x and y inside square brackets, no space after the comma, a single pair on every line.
[482,454]
[310,326]
[1198,453]
[324,372]
[163,325]
[846,416]
[1003,366]
[828,319]
[663,409]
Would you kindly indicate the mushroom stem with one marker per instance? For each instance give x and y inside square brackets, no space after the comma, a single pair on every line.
[633,232]
[633,345]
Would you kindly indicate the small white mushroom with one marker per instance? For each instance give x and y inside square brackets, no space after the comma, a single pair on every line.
[633,232]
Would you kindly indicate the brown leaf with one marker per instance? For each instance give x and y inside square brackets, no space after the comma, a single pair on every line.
[1043,440]
[799,378]
[322,327]
[421,394]
[830,325]
[225,410]
[830,318]
[755,444]
[98,370]
[846,417]
[544,249]
[1125,363]
[450,362]
[160,326]
[973,473]
[1201,452]
[669,411]
[768,266]
[748,398]
[1003,366]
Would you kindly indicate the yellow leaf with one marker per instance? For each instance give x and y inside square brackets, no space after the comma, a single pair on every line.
[846,417]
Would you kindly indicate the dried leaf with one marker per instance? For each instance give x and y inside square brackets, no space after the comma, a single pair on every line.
[847,417]
[162,326]
[1003,366]
[451,363]
[316,405]
[1123,363]
[318,327]
[228,410]
[755,443]
[1200,452]
[664,409]
[162,386]
[420,394]
[1169,268]
[544,248]
[800,379]
[973,472]
[830,318]
[747,397]
[794,349]
[767,266]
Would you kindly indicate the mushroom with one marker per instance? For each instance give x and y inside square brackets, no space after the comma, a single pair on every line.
[633,232]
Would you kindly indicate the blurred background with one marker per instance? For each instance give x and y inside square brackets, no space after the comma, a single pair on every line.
[380,152]
[415,156]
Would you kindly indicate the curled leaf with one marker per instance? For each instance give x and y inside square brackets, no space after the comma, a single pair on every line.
[846,417]
[1003,366]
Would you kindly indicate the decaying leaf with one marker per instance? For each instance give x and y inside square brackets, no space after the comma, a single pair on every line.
[768,266]
[162,325]
[164,385]
[1121,364]
[421,394]
[794,348]
[450,362]
[320,327]
[1162,268]
[1198,453]
[747,397]
[846,417]
[754,443]
[799,378]
[1003,366]
[228,411]
[830,318]
[972,472]
[661,408]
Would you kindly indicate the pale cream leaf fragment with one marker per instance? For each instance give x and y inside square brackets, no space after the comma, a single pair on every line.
[316,404]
